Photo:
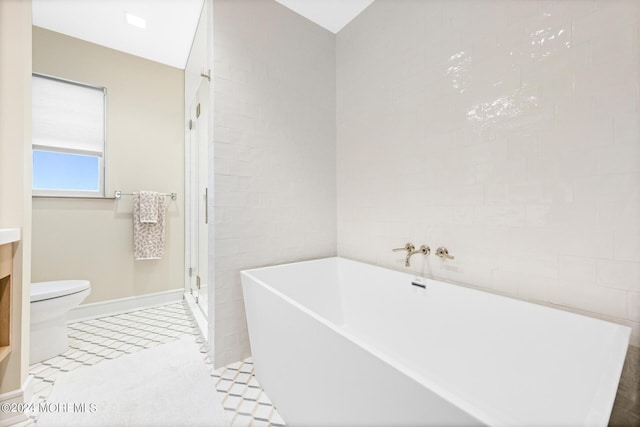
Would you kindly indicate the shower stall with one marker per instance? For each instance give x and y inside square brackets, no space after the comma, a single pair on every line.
[198,199]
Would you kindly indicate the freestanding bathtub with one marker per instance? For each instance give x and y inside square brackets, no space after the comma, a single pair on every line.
[341,343]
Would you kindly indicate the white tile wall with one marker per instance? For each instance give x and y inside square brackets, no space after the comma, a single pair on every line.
[274,148]
[507,131]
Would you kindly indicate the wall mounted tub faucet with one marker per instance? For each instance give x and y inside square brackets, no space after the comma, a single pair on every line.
[411,250]
[443,253]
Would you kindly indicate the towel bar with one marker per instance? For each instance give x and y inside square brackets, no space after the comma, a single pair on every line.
[118,194]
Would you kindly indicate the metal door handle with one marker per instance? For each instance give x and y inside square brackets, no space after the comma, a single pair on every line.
[206,205]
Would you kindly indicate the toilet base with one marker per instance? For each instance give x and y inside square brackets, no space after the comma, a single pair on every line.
[49,318]
[48,339]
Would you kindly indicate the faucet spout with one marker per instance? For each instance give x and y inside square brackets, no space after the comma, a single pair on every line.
[411,250]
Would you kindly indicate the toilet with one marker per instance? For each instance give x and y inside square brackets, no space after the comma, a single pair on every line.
[50,303]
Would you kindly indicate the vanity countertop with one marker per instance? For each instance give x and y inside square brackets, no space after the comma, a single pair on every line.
[9,235]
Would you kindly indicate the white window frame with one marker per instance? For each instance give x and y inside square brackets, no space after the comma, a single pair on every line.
[100,192]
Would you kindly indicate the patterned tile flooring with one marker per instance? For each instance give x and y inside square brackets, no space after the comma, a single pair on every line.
[243,399]
[93,341]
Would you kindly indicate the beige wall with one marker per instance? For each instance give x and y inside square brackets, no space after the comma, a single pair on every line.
[274,149]
[504,131]
[92,239]
[15,174]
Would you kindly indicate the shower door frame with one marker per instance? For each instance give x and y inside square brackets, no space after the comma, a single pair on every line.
[203,70]
[196,265]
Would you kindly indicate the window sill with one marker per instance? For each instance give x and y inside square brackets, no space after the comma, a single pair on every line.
[41,196]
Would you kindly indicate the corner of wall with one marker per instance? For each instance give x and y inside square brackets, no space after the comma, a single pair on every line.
[15,174]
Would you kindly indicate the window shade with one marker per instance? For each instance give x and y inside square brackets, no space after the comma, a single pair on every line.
[67,116]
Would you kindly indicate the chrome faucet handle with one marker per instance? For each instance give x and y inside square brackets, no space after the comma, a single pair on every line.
[409,247]
[443,253]
[424,249]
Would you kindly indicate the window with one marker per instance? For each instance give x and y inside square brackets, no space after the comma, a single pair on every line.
[68,138]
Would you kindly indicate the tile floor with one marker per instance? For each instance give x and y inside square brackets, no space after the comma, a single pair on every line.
[243,399]
[93,341]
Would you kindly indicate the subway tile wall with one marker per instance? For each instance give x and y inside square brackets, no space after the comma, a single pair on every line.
[507,131]
[274,151]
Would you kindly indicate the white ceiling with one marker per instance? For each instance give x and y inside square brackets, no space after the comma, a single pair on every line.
[330,14]
[171,24]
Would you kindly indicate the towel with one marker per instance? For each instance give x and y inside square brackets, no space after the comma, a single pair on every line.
[149,206]
[148,237]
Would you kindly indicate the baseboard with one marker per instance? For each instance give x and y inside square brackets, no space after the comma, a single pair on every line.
[123,305]
[14,400]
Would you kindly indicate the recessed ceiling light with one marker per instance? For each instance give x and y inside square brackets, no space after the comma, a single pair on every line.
[136,21]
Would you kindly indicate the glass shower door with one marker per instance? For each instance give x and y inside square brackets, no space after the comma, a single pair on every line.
[198,270]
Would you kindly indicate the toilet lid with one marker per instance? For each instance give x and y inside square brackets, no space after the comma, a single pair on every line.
[46,290]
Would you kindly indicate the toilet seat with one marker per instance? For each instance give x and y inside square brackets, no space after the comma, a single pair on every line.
[42,291]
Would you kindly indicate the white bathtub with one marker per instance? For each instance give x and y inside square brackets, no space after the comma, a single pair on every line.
[342,343]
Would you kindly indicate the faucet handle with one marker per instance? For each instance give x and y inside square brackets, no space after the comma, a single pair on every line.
[443,253]
[409,247]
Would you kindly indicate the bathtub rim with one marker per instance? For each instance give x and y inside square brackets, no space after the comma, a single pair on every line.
[487,417]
